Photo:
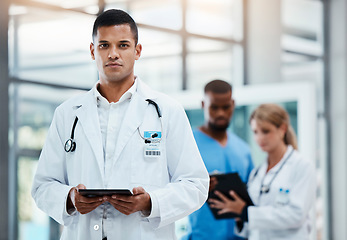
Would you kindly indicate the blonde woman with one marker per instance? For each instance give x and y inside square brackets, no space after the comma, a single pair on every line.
[282,189]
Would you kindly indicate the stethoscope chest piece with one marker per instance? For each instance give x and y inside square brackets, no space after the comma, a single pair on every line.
[264,189]
[70,145]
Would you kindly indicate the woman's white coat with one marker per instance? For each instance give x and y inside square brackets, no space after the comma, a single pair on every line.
[283,212]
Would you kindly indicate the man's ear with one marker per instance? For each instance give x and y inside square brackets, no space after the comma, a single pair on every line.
[138,50]
[233,103]
[91,47]
[202,104]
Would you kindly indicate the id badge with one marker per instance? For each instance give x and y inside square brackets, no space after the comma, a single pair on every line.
[152,150]
[282,197]
[153,134]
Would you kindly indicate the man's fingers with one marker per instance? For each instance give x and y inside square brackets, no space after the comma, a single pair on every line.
[88,205]
[138,190]
[222,211]
[81,186]
[122,208]
[213,201]
[216,204]
[139,201]
[123,204]
[90,200]
[82,208]
[221,196]
[234,195]
[123,198]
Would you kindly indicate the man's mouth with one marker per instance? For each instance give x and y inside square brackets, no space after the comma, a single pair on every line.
[113,64]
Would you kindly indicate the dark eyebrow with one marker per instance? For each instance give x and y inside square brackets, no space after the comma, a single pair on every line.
[122,41]
[125,41]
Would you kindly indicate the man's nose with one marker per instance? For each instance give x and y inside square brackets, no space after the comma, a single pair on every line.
[220,112]
[113,53]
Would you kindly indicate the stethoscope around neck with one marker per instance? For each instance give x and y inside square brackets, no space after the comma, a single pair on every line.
[265,188]
[154,138]
[70,144]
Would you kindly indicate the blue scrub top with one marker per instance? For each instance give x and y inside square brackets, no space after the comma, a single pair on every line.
[234,157]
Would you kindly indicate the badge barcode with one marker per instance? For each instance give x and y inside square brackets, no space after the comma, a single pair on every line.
[152,153]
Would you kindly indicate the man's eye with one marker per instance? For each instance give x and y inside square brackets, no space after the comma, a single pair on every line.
[124,45]
[104,45]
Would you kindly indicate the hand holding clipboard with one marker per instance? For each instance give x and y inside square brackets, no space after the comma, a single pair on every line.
[224,183]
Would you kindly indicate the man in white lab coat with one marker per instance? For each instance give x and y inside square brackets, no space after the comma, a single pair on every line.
[119,135]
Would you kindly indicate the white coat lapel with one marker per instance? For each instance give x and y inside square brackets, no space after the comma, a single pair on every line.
[88,116]
[132,120]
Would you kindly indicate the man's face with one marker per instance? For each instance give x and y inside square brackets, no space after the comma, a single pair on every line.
[115,53]
[218,110]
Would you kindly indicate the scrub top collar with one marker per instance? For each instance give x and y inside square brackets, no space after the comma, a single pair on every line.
[279,164]
[102,101]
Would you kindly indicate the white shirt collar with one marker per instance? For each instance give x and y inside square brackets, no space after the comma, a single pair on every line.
[103,102]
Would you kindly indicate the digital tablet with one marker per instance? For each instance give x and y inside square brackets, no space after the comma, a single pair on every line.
[104,192]
[225,183]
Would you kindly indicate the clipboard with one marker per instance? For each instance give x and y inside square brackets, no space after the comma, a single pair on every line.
[104,192]
[225,183]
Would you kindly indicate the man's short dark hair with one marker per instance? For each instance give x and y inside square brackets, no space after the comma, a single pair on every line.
[115,17]
[218,86]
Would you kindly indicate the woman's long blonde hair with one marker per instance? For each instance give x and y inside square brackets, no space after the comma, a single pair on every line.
[277,116]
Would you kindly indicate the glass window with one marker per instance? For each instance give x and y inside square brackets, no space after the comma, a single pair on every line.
[165,76]
[160,64]
[53,47]
[32,222]
[157,44]
[221,18]
[302,26]
[208,60]
[32,109]
[166,14]
[303,18]
[303,60]
[87,5]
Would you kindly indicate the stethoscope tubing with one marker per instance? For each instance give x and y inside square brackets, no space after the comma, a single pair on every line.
[266,188]
[70,144]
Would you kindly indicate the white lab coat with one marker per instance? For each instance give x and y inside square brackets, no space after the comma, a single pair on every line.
[276,214]
[177,180]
